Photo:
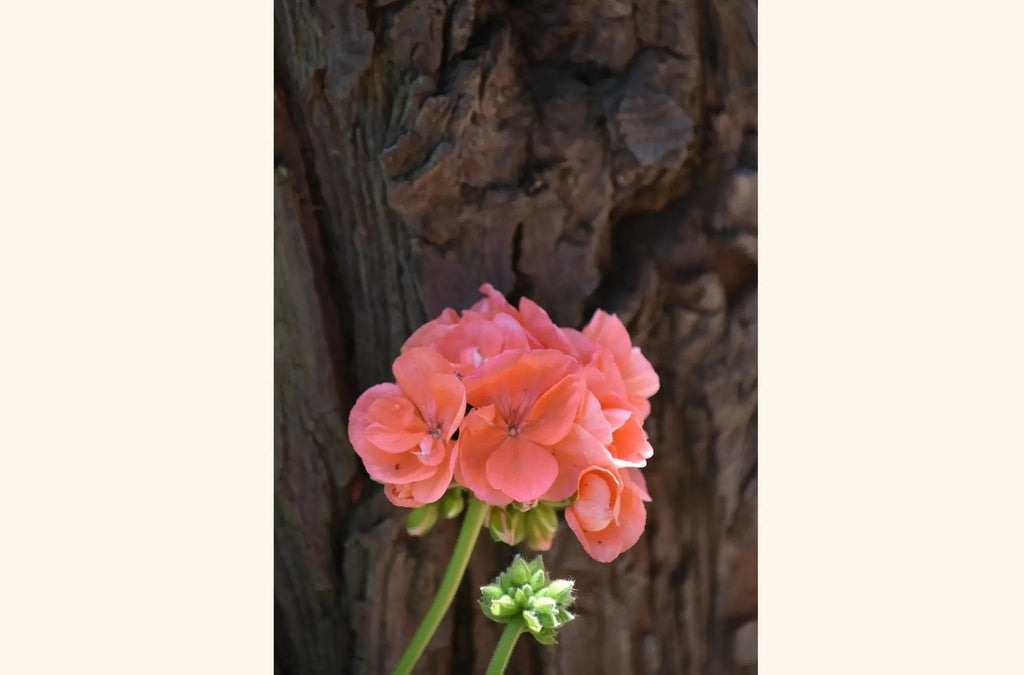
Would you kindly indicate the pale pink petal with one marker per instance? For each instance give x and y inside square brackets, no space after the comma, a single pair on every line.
[413,370]
[521,469]
[431,489]
[639,376]
[447,404]
[551,417]
[608,332]
[597,499]
[539,324]
[400,495]
[394,440]
[431,332]
[603,546]
[595,420]
[490,383]
[577,451]
[494,302]
[616,417]
[537,371]
[630,444]
[390,468]
[359,418]
[633,479]
[479,437]
[513,334]
[432,452]
[632,519]
[583,345]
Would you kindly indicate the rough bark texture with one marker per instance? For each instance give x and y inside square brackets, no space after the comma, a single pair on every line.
[585,153]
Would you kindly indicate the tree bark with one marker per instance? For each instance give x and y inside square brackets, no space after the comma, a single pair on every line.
[587,154]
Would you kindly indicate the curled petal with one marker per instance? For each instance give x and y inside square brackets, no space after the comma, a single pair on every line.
[359,418]
[598,498]
[630,445]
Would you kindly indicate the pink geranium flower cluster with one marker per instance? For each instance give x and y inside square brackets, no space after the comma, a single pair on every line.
[514,408]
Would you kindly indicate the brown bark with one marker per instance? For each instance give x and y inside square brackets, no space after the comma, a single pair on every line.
[587,154]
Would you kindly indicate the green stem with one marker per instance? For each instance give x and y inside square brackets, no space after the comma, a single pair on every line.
[503,652]
[476,513]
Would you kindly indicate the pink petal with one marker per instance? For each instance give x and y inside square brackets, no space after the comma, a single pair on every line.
[394,440]
[632,519]
[629,443]
[607,331]
[431,489]
[598,498]
[521,469]
[594,419]
[577,451]
[490,383]
[540,325]
[431,332]
[603,546]
[413,370]
[359,418]
[389,468]
[447,403]
[479,437]
[551,417]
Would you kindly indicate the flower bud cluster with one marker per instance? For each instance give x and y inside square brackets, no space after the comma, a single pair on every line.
[526,592]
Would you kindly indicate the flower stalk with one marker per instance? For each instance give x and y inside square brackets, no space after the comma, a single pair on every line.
[476,514]
[503,652]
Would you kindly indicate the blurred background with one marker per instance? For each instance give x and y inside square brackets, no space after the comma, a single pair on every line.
[585,154]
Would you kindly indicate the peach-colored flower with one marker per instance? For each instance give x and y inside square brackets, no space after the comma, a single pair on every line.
[477,338]
[637,375]
[608,515]
[525,404]
[403,431]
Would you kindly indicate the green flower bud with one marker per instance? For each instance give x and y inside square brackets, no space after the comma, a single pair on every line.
[421,519]
[507,526]
[492,592]
[544,605]
[531,621]
[505,607]
[561,591]
[547,620]
[452,503]
[546,637]
[539,580]
[519,571]
[520,597]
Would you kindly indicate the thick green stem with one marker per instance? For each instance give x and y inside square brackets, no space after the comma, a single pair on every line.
[476,513]
[503,652]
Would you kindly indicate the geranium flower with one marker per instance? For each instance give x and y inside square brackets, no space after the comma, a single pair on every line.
[403,431]
[608,515]
[525,405]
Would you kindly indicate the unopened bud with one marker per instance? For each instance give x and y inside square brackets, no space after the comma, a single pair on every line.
[452,503]
[421,519]
[507,526]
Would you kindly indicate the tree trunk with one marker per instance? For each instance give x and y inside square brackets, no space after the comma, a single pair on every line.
[587,154]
